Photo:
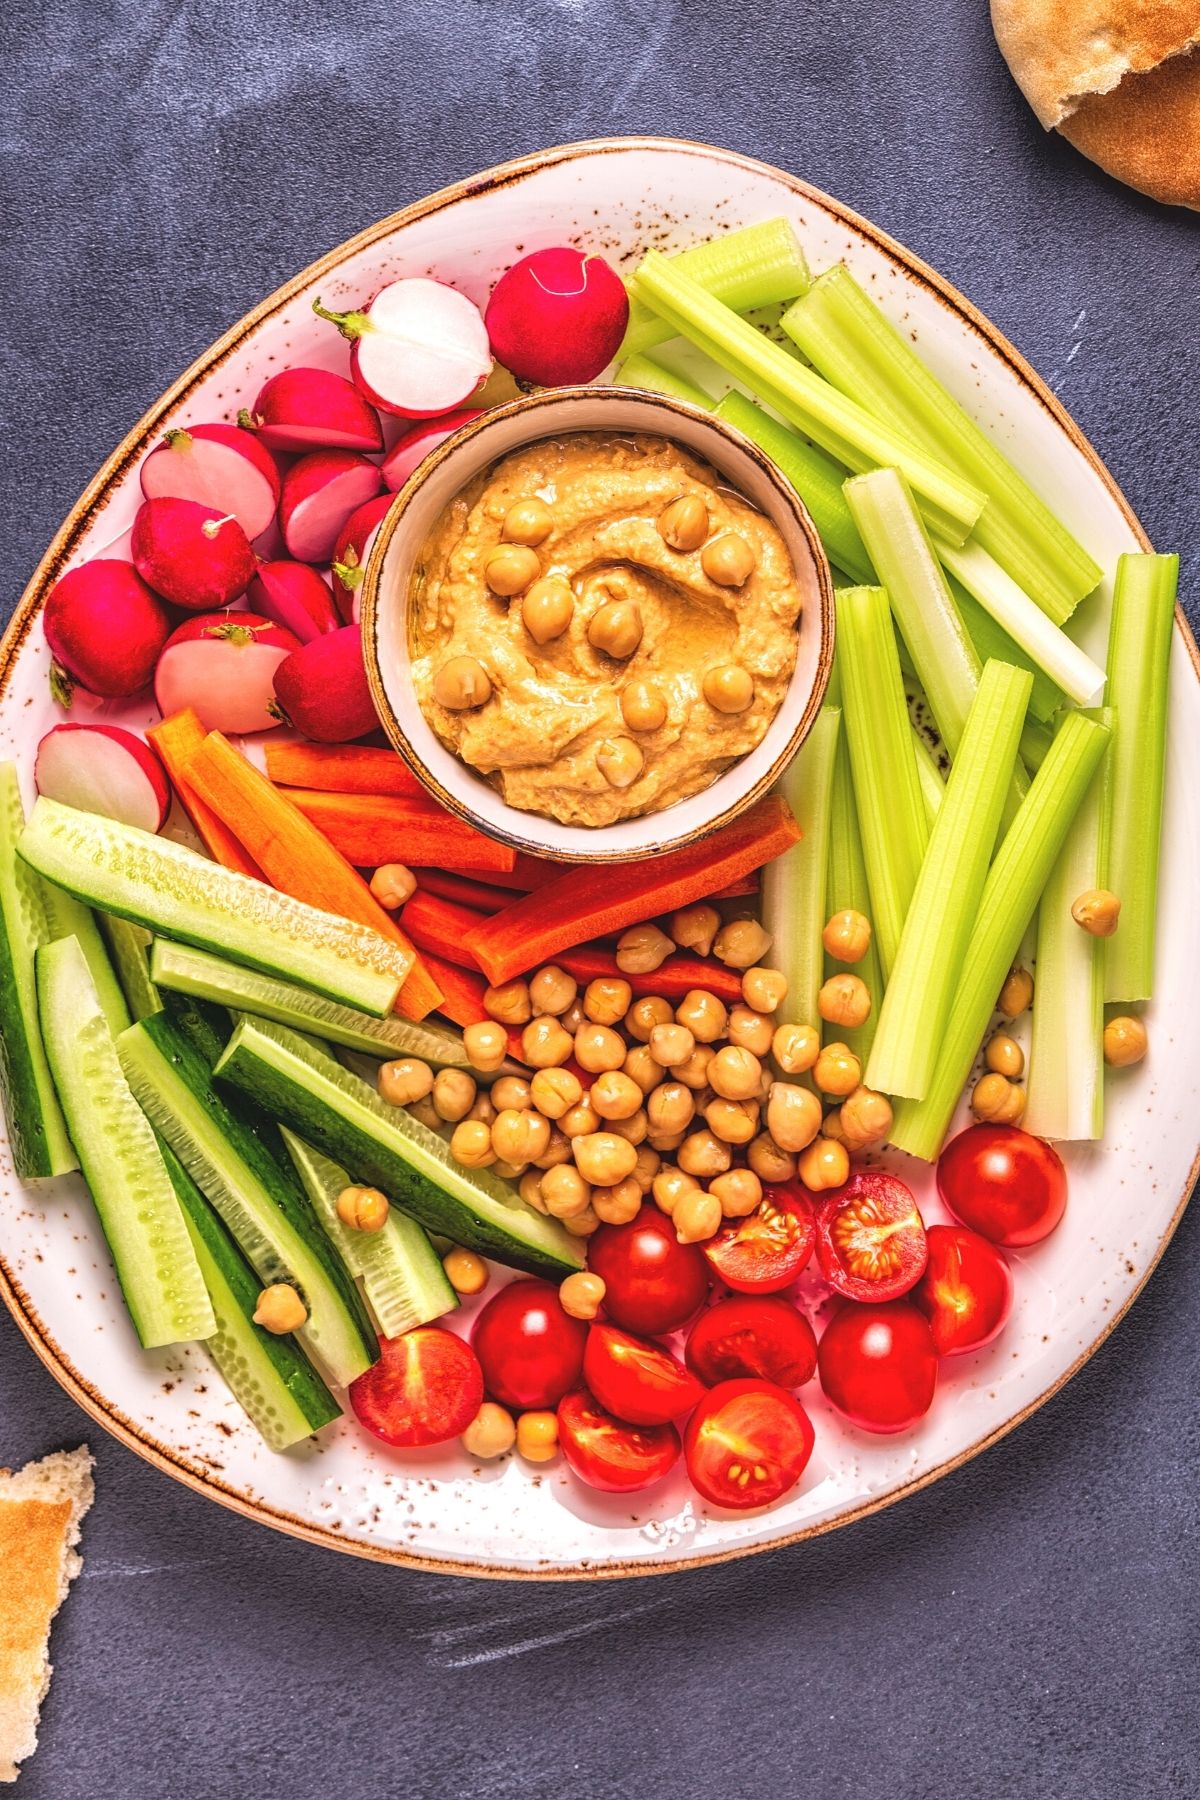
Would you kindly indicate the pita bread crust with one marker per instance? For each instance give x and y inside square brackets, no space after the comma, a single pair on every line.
[1061,51]
[1147,131]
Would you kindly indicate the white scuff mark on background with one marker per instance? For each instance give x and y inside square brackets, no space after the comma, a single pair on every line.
[1077,336]
[127,1571]
[450,1652]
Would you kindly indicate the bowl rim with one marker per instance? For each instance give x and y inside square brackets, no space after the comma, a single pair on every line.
[539,841]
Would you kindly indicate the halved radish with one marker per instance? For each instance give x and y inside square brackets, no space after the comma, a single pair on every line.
[294,596]
[220,466]
[312,409]
[412,449]
[557,316]
[224,665]
[350,554]
[192,555]
[420,347]
[322,690]
[104,769]
[319,494]
[105,629]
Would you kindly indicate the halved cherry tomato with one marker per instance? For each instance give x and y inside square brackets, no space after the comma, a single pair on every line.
[1004,1183]
[652,1282]
[639,1382]
[746,1444]
[530,1349]
[878,1365]
[871,1238]
[766,1251]
[425,1389]
[966,1291]
[753,1335]
[609,1455]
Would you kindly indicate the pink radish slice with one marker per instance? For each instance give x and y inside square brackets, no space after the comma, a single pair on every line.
[224,665]
[313,409]
[319,494]
[103,769]
[420,348]
[294,596]
[408,452]
[220,466]
[350,554]
[105,629]
[557,316]
[323,689]
[192,555]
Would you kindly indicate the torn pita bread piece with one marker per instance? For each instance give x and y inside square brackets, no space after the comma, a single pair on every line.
[41,1510]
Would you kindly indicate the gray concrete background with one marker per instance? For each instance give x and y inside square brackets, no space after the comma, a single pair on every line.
[1028,1627]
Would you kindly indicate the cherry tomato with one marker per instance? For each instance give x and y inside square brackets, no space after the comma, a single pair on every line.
[530,1349]
[871,1238]
[639,1382]
[1004,1183]
[878,1365]
[766,1251]
[425,1389]
[652,1282]
[966,1291]
[753,1334]
[746,1444]
[609,1455]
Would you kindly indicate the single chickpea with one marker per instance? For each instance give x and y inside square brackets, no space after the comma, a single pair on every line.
[280,1309]
[564,1191]
[733,1121]
[864,1117]
[454,1094]
[581,1295]
[728,688]
[509,1003]
[1125,1041]
[845,1000]
[764,989]
[598,1048]
[544,1043]
[618,1204]
[796,1048]
[669,1186]
[486,1045]
[579,1120]
[603,1158]
[750,1030]
[619,761]
[509,1171]
[1004,1056]
[557,1151]
[616,628]
[670,1107]
[739,1191]
[665,1142]
[643,707]
[704,1155]
[537,1436]
[735,1074]
[705,1016]
[517,1137]
[607,999]
[694,1072]
[402,1082]
[793,1116]
[847,936]
[683,523]
[1017,993]
[462,684]
[548,608]
[741,943]
[997,1100]
[573,1018]
[392,884]
[466,1271]
[530,1189]
[642,949]
[512,1093]
[824,1165]
[649,1162]
[728,560]
[554,1091]
[769,1162]
[697,1217]
[645,1014]
[633,1129]
[582,1224]
[641,1066]
[491,1433]
[695,927]
[426,1113]
[1097,911]
[510,568]
[527,521]
[483,1109]
[362,1208]
[837,1070]
[615,1096]
[671,1044]
[471,1144]
[552,990]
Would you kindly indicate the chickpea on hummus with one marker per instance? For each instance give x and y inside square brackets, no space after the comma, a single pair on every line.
[601,626]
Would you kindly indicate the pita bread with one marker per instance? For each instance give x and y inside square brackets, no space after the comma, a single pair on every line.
[1060,51]
[1147,131]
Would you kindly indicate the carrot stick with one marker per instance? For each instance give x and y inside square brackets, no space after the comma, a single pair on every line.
[294,856]
[341,769]
[581,903]
[440,926]
[370,829]
[527,873]
[672,979]
[176,739]
[463,890]
[462,998]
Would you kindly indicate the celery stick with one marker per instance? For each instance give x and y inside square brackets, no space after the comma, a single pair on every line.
[656,378]
[840,426]
[1071,668]
[747,269]
[887,788]
[856,347]
[793,886]
[933,782]
[991,641]
[944,902]
[1066,1054]
[1139,656]
[1010,895]
[846,890]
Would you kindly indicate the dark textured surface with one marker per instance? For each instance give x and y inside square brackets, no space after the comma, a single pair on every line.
[1029,1627]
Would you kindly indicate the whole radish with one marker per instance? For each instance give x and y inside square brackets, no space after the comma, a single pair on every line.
[351,551]
[312,409]
[420,347]
[220,466]
[192,555]
[411,450]
[557,316]
[294,596]
[322,690]
[105,629]
[319,494]
[224,666]
[104,769]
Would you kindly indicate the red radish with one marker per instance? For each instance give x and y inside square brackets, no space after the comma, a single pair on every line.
[557,316]
[420,348]
[105,629]
[415,445]
[319,494]
[351,551]
[218,465]
[224,666]
[192,555]
[103,769]
[322,690]
[294,596]
[312,409]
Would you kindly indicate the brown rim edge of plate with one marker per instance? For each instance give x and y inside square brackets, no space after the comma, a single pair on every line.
[91,501]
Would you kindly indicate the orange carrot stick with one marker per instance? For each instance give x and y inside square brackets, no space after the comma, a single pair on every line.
[341,769]
[672,979]
[176,739]
[370,829]
[463,890]
[439,926]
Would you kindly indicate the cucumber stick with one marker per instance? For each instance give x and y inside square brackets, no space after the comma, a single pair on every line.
[129,950]
[176,891]
[264,1209]
[68,917]
[134,1194]
[332,1108]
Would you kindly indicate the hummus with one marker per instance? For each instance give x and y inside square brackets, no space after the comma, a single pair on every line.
[583,733]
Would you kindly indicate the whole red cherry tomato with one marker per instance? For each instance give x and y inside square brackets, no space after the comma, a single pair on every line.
[607,1454]
[1004,1183]
[765,1252]
[878,1365]
[746,1444]
[966,1291]
[425,1389]
[638,1381]
[652,1282]
[753,1335]
[870,1237]
[530,1349]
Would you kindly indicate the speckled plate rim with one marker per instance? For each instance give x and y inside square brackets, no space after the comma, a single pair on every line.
[91,503]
